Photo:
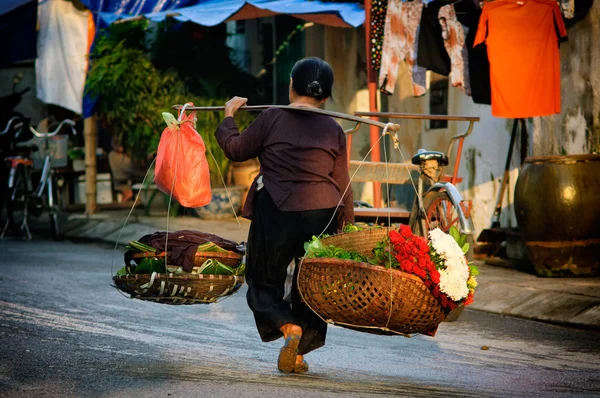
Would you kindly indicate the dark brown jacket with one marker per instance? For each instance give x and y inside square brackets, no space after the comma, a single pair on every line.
[302,158]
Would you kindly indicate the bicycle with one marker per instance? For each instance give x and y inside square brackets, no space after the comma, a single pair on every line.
[23,198]
[7,141]
[441,204]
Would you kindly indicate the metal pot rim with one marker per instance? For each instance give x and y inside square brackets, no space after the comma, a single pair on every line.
[563,159]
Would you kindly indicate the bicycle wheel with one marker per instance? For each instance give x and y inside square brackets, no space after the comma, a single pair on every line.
[16,200]
[441,213]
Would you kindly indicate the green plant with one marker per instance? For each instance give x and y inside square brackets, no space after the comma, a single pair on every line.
[132,92]
[76,153]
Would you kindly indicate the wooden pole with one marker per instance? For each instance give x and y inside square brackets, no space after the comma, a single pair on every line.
[372,86]
[90,135]
[338,115]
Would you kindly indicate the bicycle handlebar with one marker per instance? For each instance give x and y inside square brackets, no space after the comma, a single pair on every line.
[52,134]
[9,124]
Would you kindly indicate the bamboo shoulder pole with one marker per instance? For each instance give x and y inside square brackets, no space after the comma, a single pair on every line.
[336,115]
[90,135]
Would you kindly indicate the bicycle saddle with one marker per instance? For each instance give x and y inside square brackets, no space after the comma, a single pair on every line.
[423,155]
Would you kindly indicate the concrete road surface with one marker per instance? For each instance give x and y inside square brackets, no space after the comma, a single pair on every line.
[64,331]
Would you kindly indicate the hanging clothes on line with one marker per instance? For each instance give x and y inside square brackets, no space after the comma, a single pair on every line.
[454,43]
[432,53]
[64,40]
[568,8]
[574,10]
[468,14]
[427,35]
[442,48]
[378,13]
[522,40]
[400,44]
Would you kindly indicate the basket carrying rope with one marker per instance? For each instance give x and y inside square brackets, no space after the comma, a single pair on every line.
[181,288]
[365,297]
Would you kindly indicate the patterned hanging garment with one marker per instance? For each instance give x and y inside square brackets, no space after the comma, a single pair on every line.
[378,12]
[401,43]
[454,36]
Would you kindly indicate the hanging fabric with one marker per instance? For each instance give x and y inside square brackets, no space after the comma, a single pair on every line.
[378,13]
[522,39]
[468,14]
[454,43]
[401,43]
[62,47]
[432,53]
[442,47]
[568,8]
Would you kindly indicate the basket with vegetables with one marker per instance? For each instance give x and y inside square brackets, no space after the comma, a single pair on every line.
[172,278]
[387,281]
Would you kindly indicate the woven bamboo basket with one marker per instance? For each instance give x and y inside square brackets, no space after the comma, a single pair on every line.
[188,288]
[177,288]
[365,297]
[227,258]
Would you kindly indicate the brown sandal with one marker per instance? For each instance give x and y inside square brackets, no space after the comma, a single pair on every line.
[288,353]
[301,367]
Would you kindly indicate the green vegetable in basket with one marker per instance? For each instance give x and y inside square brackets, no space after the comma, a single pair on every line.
[134,245]
[382,255]
[210,247]
[241,270]
[316,248]
[122,272]
[352,228]
[215,267]
[149,265]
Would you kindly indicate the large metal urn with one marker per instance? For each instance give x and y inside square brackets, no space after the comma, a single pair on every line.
[557,204]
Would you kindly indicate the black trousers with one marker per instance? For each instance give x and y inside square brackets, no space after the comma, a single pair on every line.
[275,239]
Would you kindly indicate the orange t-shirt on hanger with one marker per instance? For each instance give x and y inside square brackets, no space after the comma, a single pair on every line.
[522,39]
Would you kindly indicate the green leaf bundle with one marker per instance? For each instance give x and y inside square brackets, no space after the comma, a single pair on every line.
[211,247]
[215,267]
[134,245]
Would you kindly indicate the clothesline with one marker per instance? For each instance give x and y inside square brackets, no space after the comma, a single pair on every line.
[450,39]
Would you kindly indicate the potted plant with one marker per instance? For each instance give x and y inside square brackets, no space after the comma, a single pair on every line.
[77,156]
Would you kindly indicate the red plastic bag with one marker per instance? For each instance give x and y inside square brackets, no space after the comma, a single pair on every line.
[181,164]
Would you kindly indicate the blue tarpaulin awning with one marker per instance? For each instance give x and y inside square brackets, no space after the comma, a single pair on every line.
[214,12]
[9,5]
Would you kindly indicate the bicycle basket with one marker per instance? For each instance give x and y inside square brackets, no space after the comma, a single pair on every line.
[57,149]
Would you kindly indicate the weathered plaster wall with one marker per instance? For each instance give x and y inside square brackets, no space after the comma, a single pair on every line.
[576,129]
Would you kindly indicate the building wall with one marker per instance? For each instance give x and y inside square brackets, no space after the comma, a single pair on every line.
[30,106]
[575,130]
